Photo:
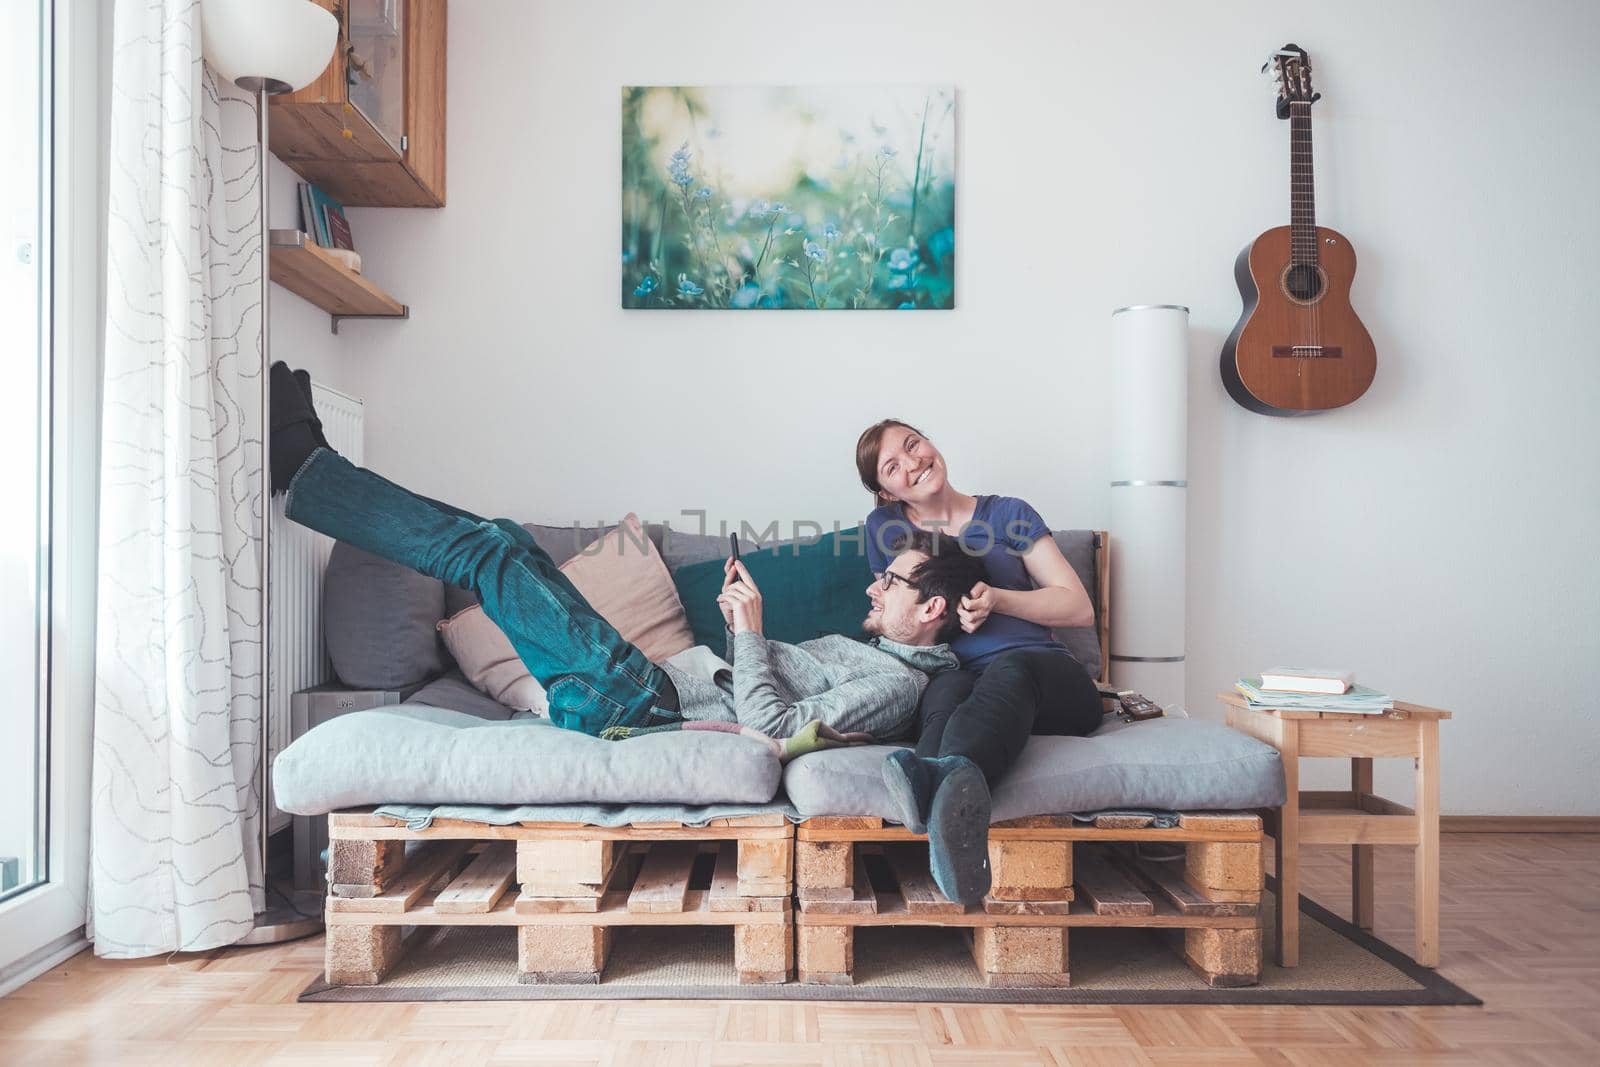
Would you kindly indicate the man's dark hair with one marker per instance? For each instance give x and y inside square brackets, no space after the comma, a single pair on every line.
[948,572]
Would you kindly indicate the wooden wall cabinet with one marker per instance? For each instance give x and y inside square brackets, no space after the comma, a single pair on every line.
[395,156]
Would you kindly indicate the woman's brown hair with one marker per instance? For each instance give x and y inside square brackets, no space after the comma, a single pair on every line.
[867,446]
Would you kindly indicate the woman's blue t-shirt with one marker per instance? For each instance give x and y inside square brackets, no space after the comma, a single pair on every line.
[1001,529]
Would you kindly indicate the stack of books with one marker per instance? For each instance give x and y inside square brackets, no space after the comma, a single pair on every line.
[322,218]
[1299,689]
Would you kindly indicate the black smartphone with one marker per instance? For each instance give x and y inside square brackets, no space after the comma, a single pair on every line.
[733,543]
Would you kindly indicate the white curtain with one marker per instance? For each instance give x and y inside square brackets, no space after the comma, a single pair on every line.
[178,678]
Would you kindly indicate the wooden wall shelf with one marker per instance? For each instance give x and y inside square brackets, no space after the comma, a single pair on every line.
[301,266]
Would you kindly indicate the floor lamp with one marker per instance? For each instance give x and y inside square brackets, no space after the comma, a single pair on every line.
[268,47]
[1149,495]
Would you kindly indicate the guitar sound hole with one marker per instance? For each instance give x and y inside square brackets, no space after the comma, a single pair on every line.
[1303,281]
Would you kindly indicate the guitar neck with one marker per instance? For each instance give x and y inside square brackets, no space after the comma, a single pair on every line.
[1302,188]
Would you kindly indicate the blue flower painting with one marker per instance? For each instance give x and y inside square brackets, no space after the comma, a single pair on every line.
[839,199]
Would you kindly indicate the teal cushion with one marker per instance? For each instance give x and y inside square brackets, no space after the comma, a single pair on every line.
[807,590]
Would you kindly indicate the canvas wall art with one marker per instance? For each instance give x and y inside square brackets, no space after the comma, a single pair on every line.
[796,198]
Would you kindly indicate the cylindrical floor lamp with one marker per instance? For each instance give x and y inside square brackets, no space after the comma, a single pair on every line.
[1149,491]
[268,47]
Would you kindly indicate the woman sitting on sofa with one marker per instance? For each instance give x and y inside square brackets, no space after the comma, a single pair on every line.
[1016,678]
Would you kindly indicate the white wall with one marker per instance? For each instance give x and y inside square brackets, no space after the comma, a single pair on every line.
[1436,536]
[300,330]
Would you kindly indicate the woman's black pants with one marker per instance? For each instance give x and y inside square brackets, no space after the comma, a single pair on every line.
[988,715]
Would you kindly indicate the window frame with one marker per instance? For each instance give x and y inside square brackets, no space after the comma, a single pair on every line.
[44,923]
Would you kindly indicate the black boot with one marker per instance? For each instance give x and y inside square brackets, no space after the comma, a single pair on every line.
[295,432]
[302,378]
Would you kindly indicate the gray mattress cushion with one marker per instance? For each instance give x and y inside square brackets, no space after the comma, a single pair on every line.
[380,620]
[411,754]
[1161,764]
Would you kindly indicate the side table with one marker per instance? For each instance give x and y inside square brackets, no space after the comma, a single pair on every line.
[1358,818]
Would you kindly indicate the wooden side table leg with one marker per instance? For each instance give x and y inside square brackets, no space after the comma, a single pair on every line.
[1427,852]
[1286,844]
[1361,855]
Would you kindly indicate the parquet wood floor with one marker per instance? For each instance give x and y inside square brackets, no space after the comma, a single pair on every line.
[1520,928]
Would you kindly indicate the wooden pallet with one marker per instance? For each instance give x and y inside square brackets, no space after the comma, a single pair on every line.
[1049,874]
[565,886]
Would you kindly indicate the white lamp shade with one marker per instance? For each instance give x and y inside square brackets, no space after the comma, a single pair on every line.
[1149,479]
[282,45]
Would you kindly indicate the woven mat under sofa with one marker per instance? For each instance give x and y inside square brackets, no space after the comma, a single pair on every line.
[1340,964]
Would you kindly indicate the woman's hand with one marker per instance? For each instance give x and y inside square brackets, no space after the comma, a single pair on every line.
[975,607]
[740,600]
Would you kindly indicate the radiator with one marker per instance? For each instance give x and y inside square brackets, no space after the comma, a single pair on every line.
[299,557]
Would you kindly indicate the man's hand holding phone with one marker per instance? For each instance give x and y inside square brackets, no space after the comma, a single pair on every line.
[740,600]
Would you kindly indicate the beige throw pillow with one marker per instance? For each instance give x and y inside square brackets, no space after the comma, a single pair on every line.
[622,576]
[486,657]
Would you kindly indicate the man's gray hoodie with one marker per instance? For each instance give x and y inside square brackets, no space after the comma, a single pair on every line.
[777,688]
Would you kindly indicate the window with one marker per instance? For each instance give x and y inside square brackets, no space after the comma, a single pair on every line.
[52,266]
[25,433]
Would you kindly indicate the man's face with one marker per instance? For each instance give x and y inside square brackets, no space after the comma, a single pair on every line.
[898,611]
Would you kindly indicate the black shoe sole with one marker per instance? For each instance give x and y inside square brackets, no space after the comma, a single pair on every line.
[958,836]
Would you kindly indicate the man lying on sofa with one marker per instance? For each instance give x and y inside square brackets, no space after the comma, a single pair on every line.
[600,684]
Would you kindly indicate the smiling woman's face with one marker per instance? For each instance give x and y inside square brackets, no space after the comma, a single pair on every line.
[910,469]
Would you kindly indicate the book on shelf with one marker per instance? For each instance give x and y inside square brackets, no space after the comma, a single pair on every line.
[1307,680]
[338,227]
[308,213]
[322,218]
[1359,700]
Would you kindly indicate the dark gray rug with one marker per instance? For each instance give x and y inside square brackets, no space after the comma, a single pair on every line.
[1340,964]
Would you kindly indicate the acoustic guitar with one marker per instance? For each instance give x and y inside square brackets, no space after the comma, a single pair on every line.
[1298,347]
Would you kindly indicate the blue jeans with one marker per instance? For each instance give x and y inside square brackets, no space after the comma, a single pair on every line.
[592,677]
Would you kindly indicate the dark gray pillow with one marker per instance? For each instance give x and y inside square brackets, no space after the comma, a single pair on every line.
[1082,641]
[564,542]
[679,548]
[380,620]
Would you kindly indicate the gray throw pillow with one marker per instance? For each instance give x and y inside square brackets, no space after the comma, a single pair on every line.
[679,548]
[379,620]
[1082,641]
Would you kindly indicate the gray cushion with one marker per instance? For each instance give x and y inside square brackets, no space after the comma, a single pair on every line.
[454,692]
[564,542]
[679,548]
[1082,641]
[1160,764]
[410,754]
[379,620]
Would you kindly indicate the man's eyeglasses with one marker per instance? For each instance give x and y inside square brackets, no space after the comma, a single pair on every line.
[888,578]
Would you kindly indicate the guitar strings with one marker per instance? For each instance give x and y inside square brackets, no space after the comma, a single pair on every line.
[1312,235]
[1307,227]
[1310,253]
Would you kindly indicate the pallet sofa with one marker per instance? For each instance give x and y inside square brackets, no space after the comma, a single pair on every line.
[708,835]
[445,811]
